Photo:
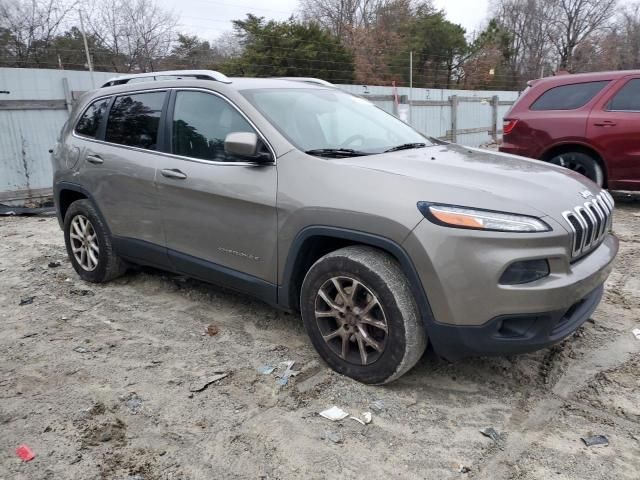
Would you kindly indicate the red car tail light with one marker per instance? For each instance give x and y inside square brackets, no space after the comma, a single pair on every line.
[508,126]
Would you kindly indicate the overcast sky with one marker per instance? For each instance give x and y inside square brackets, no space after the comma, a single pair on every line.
[209,18]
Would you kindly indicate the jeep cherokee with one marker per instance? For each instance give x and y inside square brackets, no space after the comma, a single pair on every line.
[314,200]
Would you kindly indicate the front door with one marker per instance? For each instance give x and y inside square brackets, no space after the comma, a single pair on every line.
[614,128]
[219,211]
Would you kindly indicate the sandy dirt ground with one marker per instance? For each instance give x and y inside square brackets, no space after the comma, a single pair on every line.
[97,380]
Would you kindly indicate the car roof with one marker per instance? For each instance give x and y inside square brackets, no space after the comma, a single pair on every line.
[571,78]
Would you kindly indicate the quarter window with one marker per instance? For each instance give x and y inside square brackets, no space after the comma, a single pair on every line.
[568,97]
[201,122]
[627,99]
[134,120]
[90,120]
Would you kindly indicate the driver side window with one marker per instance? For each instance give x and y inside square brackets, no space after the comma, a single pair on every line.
[201,122]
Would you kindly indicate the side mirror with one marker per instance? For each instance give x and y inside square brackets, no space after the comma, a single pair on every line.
[245,145]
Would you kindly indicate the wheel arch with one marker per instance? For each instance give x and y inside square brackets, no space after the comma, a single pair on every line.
[314,242]
[577,147]
[65,193]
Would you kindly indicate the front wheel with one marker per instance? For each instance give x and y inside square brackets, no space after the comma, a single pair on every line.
[582,163]
[361,316]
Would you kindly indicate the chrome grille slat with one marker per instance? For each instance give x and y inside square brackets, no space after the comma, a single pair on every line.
[589,223]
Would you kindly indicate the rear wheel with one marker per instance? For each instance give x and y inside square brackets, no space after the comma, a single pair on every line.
[89,244]
[359,312]
[582,163]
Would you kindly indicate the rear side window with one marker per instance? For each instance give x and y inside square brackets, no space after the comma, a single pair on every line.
[627,99]
[90,120]
[201,122]
[134,120]
[568,97]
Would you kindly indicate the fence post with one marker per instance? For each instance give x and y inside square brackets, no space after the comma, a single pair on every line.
[453,99]
[495,100]
[67,94]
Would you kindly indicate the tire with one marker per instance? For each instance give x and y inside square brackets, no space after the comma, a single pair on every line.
[582,163]
[102,265]
[381,283]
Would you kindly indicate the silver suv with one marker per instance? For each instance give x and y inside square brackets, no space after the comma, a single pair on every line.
[315,200]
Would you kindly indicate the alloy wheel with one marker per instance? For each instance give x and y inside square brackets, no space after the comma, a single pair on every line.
[84,243]
[351,320]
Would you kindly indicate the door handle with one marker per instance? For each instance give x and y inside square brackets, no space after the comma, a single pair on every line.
[605,123]
[173,173]
[95,159]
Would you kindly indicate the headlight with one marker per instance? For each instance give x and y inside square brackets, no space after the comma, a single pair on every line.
[477,219]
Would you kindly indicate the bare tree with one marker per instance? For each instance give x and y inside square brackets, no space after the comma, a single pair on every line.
[573,22]
[30,27]
[137,32]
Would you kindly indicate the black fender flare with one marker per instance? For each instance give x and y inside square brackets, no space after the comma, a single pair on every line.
[356,236]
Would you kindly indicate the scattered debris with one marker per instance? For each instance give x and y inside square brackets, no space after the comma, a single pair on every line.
[212,330]
[377,406]
[54,264]
[200,385]
[288,372]
[357,420]
[133,403]
[81,350]
[334,414]
[334,437]
[366,418]
[463,469]
[491,433]
[266,369]
[26,301]
[25,453]
[636,333]
[596,441]
[81,292]
[25,211]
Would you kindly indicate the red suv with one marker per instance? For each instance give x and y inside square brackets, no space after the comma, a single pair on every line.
[589,123]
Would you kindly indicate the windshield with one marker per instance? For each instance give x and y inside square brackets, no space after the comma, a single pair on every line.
[316,120]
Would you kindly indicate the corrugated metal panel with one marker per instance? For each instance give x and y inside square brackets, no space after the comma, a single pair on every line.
[27,135]
[435,121]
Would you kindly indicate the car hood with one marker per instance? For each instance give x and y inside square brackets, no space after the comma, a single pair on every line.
[467,176]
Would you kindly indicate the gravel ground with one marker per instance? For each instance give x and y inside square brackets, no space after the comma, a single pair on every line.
[97,380]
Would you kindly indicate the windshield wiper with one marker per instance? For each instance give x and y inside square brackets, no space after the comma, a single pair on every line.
[406,146]
[335,152]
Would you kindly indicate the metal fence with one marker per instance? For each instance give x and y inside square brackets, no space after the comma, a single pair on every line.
[468,117]
[34,104]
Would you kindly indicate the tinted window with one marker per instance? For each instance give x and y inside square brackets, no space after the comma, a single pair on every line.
[628,98]
[90,121]
[568,97]
[134,119]
[201,122]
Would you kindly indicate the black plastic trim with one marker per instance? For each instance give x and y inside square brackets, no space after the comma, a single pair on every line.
[142,252]
[285,293]
[456,342]
[60,186]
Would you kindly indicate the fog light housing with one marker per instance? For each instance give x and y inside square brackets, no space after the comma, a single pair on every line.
[525,271]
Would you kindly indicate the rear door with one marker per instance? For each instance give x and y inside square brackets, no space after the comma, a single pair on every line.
[119,170]
[219,211]
[614,128]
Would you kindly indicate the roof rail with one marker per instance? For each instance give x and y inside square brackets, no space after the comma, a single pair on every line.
[317,81]
[151,76]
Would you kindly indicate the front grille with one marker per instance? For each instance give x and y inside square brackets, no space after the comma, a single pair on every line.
[589,223]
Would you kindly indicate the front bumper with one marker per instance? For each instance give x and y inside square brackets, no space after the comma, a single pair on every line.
[514,334]
[473,314]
